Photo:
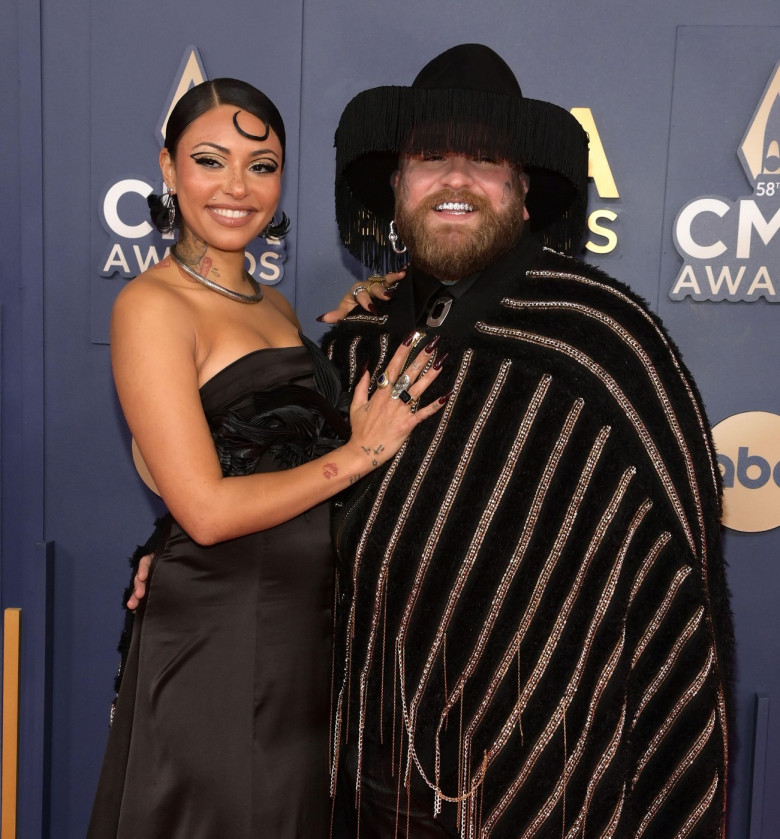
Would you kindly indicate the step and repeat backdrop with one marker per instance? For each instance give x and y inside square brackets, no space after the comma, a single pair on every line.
[682,105]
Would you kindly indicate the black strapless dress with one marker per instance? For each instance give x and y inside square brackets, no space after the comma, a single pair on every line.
[221,724]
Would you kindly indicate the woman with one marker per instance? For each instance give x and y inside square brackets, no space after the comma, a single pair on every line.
[221,724]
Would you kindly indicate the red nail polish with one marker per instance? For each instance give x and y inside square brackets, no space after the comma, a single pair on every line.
[372,308]
[319,319]
[407,342]
[439,361]
[431,345]
[442,399]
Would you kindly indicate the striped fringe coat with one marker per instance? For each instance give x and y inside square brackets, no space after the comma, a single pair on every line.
[533,608]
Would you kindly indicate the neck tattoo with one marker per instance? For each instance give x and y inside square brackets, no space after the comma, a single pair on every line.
[225,292]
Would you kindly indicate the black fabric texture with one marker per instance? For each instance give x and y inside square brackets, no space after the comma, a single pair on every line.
[221,722]
[544,559]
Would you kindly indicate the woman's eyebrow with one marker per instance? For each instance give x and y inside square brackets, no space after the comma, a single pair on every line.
[227,151]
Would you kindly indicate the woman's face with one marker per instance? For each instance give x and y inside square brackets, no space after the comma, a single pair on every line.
[227,184]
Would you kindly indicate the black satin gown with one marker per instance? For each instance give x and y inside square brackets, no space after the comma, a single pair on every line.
[221,724]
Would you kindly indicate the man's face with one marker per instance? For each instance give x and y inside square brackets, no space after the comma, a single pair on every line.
[455,213]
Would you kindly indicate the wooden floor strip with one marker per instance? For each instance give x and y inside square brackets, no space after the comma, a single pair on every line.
[12,620]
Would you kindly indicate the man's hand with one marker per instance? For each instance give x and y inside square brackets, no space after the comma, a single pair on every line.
[377,285]
[139,583]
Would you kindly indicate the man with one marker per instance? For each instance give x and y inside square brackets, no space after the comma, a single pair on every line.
[535,631]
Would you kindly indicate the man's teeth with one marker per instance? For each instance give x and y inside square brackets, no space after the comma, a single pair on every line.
[454,207]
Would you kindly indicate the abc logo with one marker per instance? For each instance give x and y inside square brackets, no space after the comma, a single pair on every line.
[748,447]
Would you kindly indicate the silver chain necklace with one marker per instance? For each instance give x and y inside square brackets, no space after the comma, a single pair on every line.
[220,289]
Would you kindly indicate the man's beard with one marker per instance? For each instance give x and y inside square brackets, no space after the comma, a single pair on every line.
[451,258]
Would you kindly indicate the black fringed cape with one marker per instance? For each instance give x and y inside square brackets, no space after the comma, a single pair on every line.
[534,606]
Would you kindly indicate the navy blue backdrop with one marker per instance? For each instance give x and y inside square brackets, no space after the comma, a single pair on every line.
[669,89]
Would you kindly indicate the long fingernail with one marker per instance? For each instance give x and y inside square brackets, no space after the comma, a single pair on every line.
[372,308]
[439,361]
[431,345]
[442,399]
[407,342]
[320,318]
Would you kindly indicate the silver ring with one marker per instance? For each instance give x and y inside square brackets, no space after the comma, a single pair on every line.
[383,380]
[356,290]
[401,384]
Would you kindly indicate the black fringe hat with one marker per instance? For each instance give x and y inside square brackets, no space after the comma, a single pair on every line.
[465,100]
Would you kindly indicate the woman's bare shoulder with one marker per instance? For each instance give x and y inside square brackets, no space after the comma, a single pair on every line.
[155,289]
[153,305]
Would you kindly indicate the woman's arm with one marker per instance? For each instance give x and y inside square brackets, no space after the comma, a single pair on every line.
[154,348]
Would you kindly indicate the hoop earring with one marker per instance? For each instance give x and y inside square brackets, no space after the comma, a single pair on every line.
[393,239]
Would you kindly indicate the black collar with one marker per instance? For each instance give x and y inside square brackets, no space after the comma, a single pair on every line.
[427,290]
[483,291]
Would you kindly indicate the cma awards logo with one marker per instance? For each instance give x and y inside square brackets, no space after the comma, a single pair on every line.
[748,450]
[601,237]
[731,250]
[135,245]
